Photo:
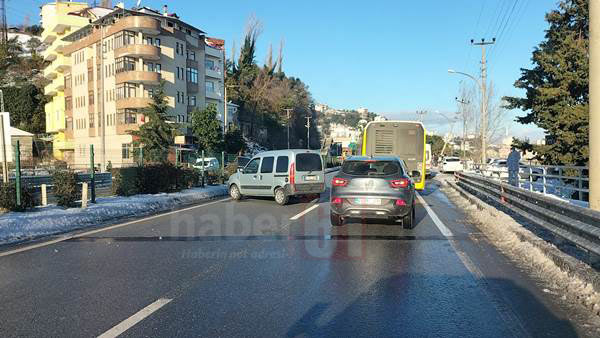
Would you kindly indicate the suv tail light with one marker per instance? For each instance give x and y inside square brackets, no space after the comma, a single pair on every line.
[401,183]
[400,203]
[339,182]
[336,200]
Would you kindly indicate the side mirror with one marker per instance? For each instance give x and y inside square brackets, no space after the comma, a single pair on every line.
[415,174]
[240,170]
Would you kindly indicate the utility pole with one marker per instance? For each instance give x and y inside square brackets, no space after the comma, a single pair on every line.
[484,117]
[464,117]
[421,114]
[308,131]
[594,169]
[288,110]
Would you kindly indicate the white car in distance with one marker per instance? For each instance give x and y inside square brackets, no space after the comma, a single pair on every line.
[451,164]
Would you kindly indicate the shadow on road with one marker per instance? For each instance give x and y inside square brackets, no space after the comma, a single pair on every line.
[434,305]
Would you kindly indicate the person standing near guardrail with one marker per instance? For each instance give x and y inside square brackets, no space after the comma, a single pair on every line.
[512,162]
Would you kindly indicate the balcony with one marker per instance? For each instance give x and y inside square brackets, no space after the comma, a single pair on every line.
[214,72]
[147,52]
[213,52]
[138,76]
[133,102]
[49,56]
[50,89]
[144,24]
[50,72]
[48,37]
[213,95]
[129,121]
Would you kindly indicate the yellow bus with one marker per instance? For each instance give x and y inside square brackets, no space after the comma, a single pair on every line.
[405,139]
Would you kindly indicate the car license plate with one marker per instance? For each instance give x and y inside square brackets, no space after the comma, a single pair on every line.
[311,178]
[368,201]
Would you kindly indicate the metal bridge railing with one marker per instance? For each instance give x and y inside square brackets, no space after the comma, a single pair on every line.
[569,182]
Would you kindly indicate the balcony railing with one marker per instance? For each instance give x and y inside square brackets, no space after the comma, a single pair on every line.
[148,52]
[138,76]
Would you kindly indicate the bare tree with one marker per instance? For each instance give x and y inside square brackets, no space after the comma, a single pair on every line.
[496,115]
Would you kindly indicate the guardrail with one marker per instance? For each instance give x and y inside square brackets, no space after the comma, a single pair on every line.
[37,181]
[580,226]
[571,182]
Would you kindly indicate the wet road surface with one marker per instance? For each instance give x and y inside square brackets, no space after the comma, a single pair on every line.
[253,268]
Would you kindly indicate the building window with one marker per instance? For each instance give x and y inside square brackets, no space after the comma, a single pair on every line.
[149,41]
[125,150]
[68,103]
[91,119]
[126,90]
[91,97]
[157,67]
[210,87]
[191,55]
[192,75]
[209,64]
[127,116]
[192,101]
[124,64]
[149,66]
[180,73]
[157,42]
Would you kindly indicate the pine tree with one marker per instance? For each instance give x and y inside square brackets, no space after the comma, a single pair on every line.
[157,134]
[207,129]
[557,87]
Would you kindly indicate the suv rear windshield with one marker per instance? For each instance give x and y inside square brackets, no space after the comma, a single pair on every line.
[371,168]
[308,162]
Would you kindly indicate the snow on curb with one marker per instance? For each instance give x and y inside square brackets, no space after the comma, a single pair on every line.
[17,226]
[562,273]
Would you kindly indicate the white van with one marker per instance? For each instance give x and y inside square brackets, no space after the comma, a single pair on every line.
[281,174]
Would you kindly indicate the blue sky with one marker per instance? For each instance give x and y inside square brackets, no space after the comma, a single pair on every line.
[390,56]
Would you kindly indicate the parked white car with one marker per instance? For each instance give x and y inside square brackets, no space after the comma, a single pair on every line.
[451,164]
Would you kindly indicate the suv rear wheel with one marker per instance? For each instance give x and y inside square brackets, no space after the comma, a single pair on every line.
[281,197]
[408,222]
[336,220]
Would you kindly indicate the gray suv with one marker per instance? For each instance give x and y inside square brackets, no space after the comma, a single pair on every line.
[373,187]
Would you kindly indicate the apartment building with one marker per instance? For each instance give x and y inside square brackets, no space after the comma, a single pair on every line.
[117,63]
[59,19]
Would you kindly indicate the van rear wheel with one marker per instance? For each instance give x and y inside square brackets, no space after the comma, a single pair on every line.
[281,197]
[336,220]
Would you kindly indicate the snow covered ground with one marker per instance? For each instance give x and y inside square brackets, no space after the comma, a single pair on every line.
[43,221]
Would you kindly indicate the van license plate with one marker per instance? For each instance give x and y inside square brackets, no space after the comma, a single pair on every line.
[311,178]
[368,201]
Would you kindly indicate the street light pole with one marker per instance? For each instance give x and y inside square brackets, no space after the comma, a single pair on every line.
[3,140]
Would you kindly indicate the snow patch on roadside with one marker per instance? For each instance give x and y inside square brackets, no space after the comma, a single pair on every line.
[516,242]
[44,221]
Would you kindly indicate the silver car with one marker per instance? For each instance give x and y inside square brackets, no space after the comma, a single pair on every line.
[373,187]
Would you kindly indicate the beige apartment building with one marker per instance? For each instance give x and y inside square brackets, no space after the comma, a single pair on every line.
[116,64]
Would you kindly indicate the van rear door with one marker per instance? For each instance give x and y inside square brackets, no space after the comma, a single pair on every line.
[309,175]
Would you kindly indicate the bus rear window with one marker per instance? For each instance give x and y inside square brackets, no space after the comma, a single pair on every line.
[376,168]
[308,162]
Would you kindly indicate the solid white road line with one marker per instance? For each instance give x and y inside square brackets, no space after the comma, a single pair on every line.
[91,232]
[293,218]
[136,318]
[440,225]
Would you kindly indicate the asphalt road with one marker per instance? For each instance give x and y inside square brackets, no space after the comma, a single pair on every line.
[253,268]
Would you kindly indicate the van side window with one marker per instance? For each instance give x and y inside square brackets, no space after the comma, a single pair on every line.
[252,166]
[267,165]
[282,164]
